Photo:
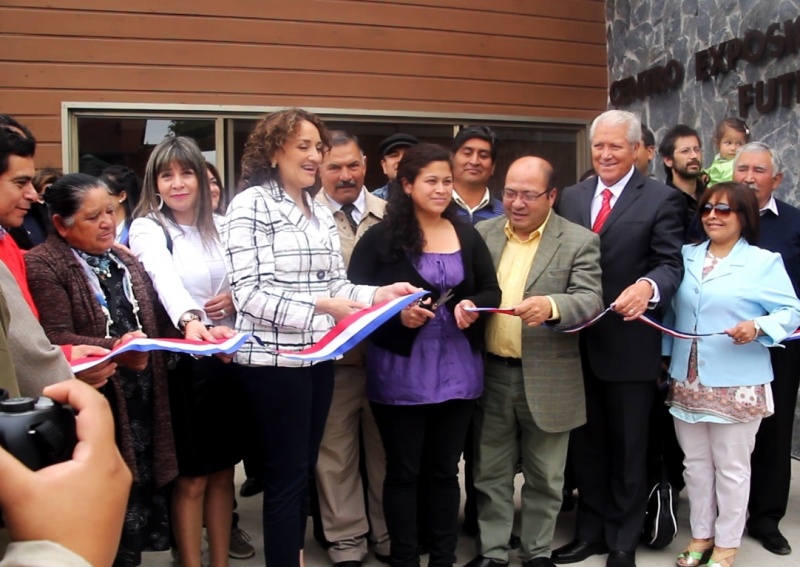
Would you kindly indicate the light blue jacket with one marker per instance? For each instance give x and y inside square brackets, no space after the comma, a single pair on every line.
[749,284]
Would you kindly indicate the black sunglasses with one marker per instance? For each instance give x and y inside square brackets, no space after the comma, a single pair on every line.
[723,210]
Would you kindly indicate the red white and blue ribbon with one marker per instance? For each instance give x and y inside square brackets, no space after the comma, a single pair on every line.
[197,348]
[643,318]
[352,330]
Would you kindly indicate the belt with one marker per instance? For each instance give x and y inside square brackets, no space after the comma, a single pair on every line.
[507,360]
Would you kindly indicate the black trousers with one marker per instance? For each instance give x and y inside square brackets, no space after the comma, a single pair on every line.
[422,442]
[609,455]
[289,407]
[771,459]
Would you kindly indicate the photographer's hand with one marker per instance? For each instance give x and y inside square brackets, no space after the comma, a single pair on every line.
[55,502]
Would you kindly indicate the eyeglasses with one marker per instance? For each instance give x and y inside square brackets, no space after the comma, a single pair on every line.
[723,210]
[526,196]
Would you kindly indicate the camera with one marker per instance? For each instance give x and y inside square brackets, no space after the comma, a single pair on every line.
[37,431]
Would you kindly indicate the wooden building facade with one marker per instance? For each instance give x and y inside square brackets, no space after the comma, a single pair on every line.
[101,82]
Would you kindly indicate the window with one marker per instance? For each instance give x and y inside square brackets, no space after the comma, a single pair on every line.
[104,137]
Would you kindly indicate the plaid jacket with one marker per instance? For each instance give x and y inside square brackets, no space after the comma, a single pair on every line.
[278,265]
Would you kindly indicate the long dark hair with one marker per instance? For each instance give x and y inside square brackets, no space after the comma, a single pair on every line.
[743,200]
[405,234]
[120,178]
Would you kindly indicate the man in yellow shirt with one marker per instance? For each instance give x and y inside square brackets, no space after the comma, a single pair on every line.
[549,271]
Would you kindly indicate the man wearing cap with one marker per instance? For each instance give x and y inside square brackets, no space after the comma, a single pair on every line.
[474,152]
[344,512]
[392,150]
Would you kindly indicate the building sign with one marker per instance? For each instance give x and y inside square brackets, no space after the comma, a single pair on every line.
[779,40]
[656,80]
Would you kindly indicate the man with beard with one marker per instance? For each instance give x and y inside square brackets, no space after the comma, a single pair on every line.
[759,166]
[682,153]
[342,505]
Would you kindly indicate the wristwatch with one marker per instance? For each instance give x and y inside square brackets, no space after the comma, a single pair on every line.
[757,328]
[185,319]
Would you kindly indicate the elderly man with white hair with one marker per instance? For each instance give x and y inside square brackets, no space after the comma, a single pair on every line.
[759,166]
[640,224]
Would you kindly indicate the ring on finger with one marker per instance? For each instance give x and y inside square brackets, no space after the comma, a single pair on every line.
[222,312]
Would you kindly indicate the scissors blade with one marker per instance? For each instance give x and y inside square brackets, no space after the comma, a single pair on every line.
[444,298]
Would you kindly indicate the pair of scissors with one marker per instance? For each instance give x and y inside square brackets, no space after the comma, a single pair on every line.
[444,298]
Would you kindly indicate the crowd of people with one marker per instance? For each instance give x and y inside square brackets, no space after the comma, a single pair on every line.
[370,444]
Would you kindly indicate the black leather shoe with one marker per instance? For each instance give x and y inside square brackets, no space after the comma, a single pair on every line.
[383,558]
[514,541]
[347,564]
[481,561]
[621,559]
[577,551]
[774,543]
[251,487]
[539,562]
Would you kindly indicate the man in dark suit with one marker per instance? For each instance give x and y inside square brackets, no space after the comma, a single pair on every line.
[549,271]
[759,166]
[640,223]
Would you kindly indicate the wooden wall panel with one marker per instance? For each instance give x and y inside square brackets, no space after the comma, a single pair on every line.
[495,57]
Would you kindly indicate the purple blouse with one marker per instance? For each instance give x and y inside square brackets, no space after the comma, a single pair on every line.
[442,365]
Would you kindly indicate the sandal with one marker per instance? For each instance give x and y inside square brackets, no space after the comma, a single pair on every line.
[696,553]
[723,556]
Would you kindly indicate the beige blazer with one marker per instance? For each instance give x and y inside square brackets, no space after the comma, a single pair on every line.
[567,268]
[373,215]
[375,208]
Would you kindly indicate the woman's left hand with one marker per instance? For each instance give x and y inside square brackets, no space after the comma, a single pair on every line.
[136,361]
[743,333]
[219,307]
[465,318]
[389,292]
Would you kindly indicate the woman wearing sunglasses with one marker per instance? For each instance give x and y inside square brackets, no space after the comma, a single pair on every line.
[720,382]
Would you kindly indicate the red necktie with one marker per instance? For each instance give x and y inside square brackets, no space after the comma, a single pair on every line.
[605,210]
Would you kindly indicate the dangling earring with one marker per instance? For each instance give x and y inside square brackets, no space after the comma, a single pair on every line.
[274,165]
[160,202]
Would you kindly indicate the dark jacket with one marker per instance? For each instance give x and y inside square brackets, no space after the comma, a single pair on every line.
[70,314]
[372,264]
[641,238]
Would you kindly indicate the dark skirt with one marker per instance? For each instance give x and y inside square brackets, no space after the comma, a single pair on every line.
[206,415]
[146,526]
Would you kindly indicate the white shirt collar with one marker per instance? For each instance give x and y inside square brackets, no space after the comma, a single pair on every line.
[360,202]
[487,197]
[770,206]
[617,188]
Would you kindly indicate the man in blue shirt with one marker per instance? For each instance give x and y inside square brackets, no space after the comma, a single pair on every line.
[474,152]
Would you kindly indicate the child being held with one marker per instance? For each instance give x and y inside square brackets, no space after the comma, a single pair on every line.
[730,135]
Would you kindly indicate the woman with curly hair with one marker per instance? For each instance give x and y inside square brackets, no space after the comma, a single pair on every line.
[425,367]
[289,286]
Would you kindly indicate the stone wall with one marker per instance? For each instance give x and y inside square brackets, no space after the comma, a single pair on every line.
[643,34]
[647,33]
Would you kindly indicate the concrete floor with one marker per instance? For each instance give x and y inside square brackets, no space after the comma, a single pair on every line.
[750,554]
